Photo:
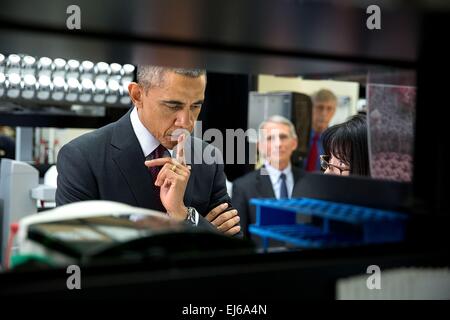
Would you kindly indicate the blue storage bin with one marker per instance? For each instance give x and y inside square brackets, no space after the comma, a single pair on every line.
[336,224]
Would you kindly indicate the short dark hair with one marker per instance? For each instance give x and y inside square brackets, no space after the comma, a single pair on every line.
[348,142]
[149,76]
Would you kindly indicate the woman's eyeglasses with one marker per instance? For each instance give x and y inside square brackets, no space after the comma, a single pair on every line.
[325,164]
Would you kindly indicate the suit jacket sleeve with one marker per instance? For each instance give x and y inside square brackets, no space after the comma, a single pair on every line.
[76,181]
[219,192]
[240,202]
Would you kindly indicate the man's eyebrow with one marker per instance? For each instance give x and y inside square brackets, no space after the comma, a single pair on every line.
[179,102]
[172,102]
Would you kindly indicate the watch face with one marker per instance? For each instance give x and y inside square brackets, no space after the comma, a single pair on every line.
[190,215]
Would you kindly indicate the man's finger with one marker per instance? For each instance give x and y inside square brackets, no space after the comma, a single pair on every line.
[167,172]
[162,177]
[233,231]
[222,218]
[180,149]
[163,161]
[216,211]
[229,224]
[158,162]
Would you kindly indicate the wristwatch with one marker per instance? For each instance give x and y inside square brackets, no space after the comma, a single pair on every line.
[191,217]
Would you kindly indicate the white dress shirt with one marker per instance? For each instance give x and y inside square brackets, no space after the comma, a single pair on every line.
[275,178]
[147,141]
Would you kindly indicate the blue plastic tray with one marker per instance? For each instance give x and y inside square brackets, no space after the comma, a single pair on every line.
[336,224]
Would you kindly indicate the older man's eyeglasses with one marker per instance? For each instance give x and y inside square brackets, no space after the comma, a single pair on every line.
[325,164]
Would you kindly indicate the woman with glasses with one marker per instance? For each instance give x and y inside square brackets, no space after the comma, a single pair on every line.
[346,149]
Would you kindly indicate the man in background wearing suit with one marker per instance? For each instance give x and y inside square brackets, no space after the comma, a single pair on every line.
[324,108]
[133,160]
[277,178]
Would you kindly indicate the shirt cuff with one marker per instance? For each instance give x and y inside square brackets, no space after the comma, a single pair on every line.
[196,217]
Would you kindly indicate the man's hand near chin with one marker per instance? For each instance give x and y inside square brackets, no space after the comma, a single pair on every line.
[226,222]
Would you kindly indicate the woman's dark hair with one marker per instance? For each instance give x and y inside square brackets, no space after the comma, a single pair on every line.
[348,142]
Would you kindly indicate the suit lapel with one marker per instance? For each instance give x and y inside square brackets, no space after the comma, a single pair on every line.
[264,186]
[298,175]
[127,155]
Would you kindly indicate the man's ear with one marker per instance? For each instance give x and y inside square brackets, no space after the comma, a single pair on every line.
[135,91]
[294,144]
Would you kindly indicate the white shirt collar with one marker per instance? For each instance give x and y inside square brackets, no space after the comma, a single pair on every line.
[146,140]
[275,174]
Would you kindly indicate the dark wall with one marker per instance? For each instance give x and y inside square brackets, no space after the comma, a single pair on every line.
[225,107]
[431,175]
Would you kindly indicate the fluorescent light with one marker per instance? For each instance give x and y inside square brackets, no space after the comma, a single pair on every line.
[87,84]
[73,69]
[102,71]
[44,87]
[73,83]
[2,83]
[14,85]
[59,87]
[87,69]
[14,78]
[44,67]
[102,67]
[87,87]
[2,63]
[128,68]
[125,98]
[87,66]
[29,80]
[45,62]
[73,89]
[59,82]
[59,63]
[100,84]
[44,81]
[13,63]
[73,64]
[128,72]
[113,85]
[29,60]
[100,91]
[13,59]
[28,86]
[60,67]
[114,88]
[115,69]
[28,66]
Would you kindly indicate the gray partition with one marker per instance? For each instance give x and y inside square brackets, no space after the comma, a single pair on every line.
[17,179]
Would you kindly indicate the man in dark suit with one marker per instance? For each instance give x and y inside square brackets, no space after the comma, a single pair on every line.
[277,178]
[148,159]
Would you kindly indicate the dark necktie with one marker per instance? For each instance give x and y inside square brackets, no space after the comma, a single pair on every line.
[159,152]
[313,154]
[283,187]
